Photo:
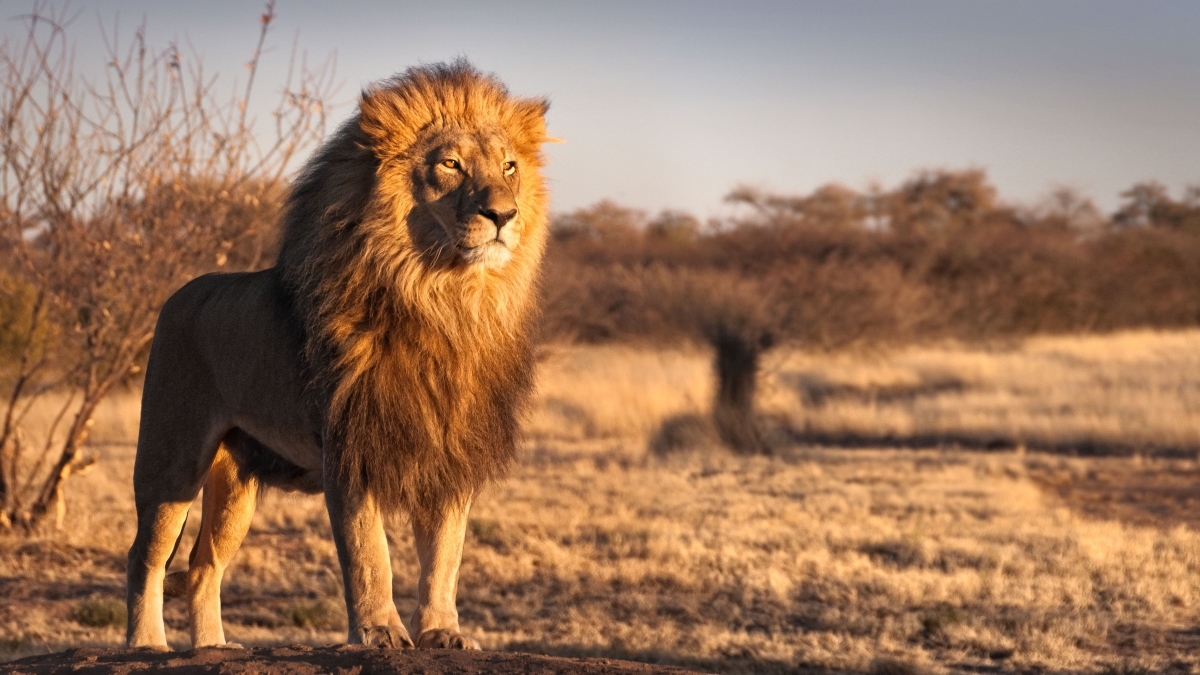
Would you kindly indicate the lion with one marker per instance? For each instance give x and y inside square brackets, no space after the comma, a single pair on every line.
[384,361]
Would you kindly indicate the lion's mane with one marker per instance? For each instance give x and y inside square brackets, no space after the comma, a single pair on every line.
[418,367]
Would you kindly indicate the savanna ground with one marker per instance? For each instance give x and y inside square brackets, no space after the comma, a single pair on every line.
[1020,507]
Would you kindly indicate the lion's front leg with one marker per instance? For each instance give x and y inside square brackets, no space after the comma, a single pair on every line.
[439,547]
[366,568]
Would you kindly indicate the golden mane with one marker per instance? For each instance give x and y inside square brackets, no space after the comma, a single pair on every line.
[420,365]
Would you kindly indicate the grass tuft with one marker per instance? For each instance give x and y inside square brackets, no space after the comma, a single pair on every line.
[99,612]
[1124,668]
[305,614]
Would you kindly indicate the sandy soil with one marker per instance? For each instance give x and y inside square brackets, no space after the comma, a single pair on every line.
[1134,491]
[305,660]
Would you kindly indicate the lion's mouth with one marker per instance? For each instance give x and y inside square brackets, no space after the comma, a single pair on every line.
[488,255]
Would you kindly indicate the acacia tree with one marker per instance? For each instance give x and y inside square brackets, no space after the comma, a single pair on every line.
[113,192]
[1150,205]
[740,316]
[659,280]
[741,319]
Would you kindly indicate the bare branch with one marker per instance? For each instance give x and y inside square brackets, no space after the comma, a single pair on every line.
[113,193]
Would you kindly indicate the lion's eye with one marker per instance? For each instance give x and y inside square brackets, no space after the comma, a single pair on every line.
[450,163]
[509,167]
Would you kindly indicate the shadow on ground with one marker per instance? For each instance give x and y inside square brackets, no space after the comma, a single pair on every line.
[733,663]
[304,660]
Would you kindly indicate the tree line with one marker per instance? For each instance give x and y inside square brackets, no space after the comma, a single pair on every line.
[938,257]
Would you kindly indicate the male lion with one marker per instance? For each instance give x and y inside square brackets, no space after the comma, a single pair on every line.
[382,361]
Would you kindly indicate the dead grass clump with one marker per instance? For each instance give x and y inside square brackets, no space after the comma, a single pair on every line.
[314,614]
[99,612]
[888,666]
[684,433]
[488,532]
[1124,668]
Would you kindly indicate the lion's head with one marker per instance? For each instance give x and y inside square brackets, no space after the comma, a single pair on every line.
[467,156]
[465,188]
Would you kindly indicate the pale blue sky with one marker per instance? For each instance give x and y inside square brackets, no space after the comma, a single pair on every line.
[670,104]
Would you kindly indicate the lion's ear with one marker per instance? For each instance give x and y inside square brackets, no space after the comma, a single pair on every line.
[528,124]
[383,118]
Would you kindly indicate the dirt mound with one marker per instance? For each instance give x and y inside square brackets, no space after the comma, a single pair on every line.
[305,660]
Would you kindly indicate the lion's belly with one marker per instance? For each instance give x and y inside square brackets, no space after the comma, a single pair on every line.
[297,445]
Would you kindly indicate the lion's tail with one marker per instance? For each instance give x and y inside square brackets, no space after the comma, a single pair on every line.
[175,584]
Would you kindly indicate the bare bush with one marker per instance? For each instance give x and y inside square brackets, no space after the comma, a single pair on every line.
[113,192]
[740,317]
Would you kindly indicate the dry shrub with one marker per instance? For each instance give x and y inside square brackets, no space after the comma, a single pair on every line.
[684,433]
[314,614]
[114,191]
[889,666]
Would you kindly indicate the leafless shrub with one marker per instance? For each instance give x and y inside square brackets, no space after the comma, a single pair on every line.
[113,192]
[740,317]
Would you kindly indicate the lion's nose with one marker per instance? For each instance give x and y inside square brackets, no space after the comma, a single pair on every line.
[500,218]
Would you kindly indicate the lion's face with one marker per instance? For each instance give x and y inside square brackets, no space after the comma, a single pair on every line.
[466,192]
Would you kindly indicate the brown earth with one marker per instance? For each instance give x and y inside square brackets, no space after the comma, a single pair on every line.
[1140,491]
[305,660]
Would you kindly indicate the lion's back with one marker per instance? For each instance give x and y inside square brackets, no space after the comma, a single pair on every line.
[226,317]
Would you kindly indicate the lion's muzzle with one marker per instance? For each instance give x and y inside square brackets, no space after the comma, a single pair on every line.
[493,232]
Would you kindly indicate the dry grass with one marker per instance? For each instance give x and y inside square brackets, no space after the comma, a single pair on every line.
[889,560]
[1129,390]
[616,392]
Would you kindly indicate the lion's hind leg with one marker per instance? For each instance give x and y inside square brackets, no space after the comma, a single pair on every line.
[167,476]
[229,503]
[158,528]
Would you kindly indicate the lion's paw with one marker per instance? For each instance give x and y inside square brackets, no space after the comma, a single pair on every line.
[385,637]
[444,638]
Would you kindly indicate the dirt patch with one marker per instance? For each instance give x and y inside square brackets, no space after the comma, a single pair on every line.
[1155,492]
[305,660]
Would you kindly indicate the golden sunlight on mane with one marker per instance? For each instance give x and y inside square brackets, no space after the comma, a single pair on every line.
[381,313]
